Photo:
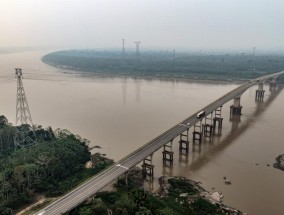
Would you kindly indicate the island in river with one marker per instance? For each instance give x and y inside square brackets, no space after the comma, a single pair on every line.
[228,67]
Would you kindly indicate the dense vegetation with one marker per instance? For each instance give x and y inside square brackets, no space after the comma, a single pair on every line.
[55,164]
[50,167]
[165,64]
[182,199]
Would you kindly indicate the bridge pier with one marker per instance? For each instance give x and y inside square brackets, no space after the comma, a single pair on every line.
[168,154]
[218,120]
[148,167]
[259,93]
[126,178]
[272,85]
[236,108]
[208,128]
[184,143]
[197,133]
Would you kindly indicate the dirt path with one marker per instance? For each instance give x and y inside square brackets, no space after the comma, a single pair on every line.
[41,201]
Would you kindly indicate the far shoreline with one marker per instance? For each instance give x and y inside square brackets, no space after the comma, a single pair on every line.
[148,77]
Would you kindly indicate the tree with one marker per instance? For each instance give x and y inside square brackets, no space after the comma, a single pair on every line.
[30,172]
[86,210]
[52,165]
[99,208]
[3,121]
[19,177]
[143,211]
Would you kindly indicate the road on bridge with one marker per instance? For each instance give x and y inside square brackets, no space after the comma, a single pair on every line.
[96,183]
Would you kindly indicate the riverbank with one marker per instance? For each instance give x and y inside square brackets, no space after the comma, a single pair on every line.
[215,198]
[49,166]
[160,77]
[157,65]
[176,196]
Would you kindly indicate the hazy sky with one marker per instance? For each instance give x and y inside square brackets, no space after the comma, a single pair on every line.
[190,24]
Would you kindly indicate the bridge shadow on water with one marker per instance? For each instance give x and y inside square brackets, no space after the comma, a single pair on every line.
[203,153]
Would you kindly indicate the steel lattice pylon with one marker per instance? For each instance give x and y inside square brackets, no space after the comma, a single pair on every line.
[24,136]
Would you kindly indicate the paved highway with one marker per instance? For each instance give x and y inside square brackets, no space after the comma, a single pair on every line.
[96,183]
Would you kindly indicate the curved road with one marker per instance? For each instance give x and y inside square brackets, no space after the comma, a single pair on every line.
[96,183]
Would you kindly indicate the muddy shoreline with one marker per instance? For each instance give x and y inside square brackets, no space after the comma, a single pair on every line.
[214,198]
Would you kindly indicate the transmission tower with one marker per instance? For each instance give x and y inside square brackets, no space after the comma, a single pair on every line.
[137,48]
[123,48]
[174,59]
[23,116]
[252,62]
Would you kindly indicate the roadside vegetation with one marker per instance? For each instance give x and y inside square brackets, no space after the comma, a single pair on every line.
[228,67]
[182,198]
[50,167]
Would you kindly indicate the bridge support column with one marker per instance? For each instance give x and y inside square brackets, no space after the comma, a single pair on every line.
[126,178]
[272,85]
[197,133]
[208,128]
[218,121]
[168,154]
[236,108]
[148,167]
[259,93]
[184,143]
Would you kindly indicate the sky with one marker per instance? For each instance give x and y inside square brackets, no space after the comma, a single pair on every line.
[158,24]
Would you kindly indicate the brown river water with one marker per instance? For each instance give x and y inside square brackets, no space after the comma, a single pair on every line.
[121,114]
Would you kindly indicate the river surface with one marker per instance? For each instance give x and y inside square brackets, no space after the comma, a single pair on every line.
[121,114]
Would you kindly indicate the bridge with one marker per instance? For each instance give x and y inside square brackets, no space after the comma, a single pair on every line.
[204,122]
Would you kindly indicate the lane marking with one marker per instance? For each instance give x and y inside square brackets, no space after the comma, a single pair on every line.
[119,165]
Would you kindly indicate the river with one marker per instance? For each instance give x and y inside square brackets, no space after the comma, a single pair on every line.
[121,114]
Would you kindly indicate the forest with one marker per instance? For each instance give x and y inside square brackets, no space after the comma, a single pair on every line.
[228,67]
[55,164]
[50,167]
